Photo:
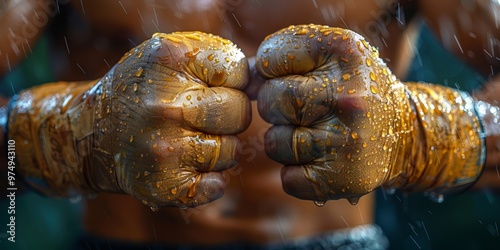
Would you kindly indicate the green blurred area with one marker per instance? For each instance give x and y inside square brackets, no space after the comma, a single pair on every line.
[466,221]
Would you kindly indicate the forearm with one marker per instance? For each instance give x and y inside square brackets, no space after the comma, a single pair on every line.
[447,153]
[53,145]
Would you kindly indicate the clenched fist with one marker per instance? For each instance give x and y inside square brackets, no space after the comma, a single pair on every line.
[344,125]
[159,126]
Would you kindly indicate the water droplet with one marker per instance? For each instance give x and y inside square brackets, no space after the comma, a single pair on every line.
[265,63]
[346,76]
[173,190]
[364,43]
[343,59]
[146,173]
[135,87]
[188,97]
[210,57]
[205,71]
[171,149]
[319,203]
[368,62]
[131,138]
[435,197]
[353,200]
[340,88]
[150,81]
[351,91]
[374,89]
[139,71]
[373,76]
[373,138]
[354,135]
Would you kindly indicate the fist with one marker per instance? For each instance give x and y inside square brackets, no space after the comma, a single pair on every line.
[339,114]
[167,117]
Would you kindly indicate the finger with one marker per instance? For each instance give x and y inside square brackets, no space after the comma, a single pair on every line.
[197,189]
[255,81]
[300,49]
[211,59]
[291,145]
[300,100]
[216,110]
[331,181]
[201,153]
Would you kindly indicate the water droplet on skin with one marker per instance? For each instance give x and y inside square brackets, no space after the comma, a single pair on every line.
[368,62]
[205,71]
[171,149]
[373,76]
[210,57]
[319,203]
[188,97]
[265,63]
[346,76]
[218,99]
[139,71]
[340,88]
[353,201]
[150,81]
[173,191]
[146,173]
[343,59]
[364,43]
[131,138]
[135,87]
[373,89]
[354,135]
[351,91]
